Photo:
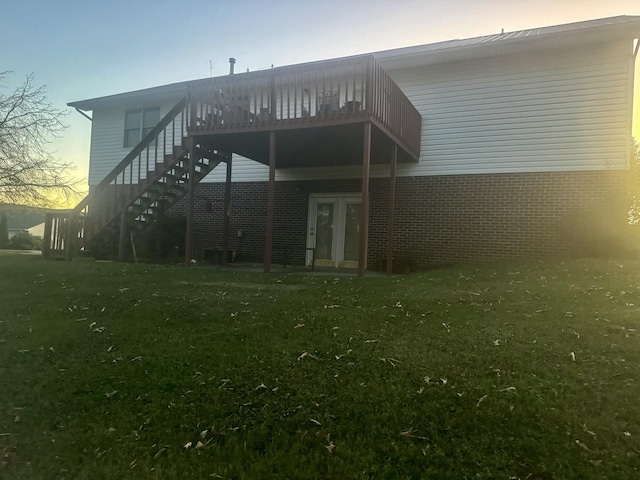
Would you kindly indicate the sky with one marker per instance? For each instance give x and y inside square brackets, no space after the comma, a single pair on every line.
[81,49]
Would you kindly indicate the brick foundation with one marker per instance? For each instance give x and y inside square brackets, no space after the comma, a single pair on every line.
[439,220]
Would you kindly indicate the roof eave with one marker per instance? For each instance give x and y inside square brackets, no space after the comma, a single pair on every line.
[152,94]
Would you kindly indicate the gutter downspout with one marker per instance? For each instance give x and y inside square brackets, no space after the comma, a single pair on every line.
[84,114]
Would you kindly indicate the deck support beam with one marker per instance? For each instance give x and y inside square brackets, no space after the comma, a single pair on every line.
[271,201]
[122,240]
[392,206]
[227,213]
[364,204]
[191,188]
[71,237]
[46,241]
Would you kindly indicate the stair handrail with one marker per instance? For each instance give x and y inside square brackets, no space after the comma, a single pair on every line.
[133,154]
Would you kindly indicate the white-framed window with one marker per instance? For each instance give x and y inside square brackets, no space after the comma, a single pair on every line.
[138,123]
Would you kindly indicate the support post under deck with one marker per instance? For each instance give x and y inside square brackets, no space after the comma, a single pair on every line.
[227,213]
[191,188]
[122,241]
[46,241]
[364,204]
[392,206]
[271,200]
[71,236]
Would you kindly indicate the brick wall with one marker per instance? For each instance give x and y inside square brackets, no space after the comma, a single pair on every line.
[476,217]
[249,213]
[439,220]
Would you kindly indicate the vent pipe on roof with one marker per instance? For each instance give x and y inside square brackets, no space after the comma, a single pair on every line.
[232,64]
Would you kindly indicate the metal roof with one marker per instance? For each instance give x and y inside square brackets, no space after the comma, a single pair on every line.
[612,23]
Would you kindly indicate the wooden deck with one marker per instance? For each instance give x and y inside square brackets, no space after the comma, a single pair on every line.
[317,109]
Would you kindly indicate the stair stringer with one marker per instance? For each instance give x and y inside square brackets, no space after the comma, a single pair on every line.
[163,188]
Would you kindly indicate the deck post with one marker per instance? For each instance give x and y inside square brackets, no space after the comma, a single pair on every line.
[271,200]
[122,241]
[364,204]
[71,236]
[191,188]
[392,206]
[160,234]
[192,106]
[46,240]
[227,213]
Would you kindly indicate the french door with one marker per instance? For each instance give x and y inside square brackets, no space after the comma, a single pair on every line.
[334,230]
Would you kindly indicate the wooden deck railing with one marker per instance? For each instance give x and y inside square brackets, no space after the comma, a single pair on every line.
[313,94]
[394,111]
[56,226]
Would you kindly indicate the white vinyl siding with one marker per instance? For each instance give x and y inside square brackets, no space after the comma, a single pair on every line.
[553,110]
[559,110]
[242,170]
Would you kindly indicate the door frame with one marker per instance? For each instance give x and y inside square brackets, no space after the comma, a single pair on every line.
[340,200]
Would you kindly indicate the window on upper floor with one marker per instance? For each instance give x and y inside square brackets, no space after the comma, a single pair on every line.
[138,123]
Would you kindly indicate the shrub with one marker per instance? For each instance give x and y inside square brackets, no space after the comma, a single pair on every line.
[25,241]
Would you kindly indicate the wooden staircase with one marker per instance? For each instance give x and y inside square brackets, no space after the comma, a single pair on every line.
[135,194]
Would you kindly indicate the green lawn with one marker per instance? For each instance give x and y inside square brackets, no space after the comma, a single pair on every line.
[510,371]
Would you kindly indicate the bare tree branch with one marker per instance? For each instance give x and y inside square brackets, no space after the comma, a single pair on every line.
[29,173]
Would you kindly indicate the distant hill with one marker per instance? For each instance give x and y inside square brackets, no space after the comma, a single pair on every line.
[21,216]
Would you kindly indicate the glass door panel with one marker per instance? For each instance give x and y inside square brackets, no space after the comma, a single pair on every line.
[334,230]
[324,232]
[351,232]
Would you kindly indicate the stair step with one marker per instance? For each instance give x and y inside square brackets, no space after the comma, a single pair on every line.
[138,209]
[174,177]
[163,187]
[178,169]
[147,217]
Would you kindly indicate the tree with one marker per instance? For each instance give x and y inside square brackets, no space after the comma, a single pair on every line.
[4,232]
[29,173]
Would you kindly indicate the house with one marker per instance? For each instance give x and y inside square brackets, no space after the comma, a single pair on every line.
[503,146]
[37,230]
[12,232]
